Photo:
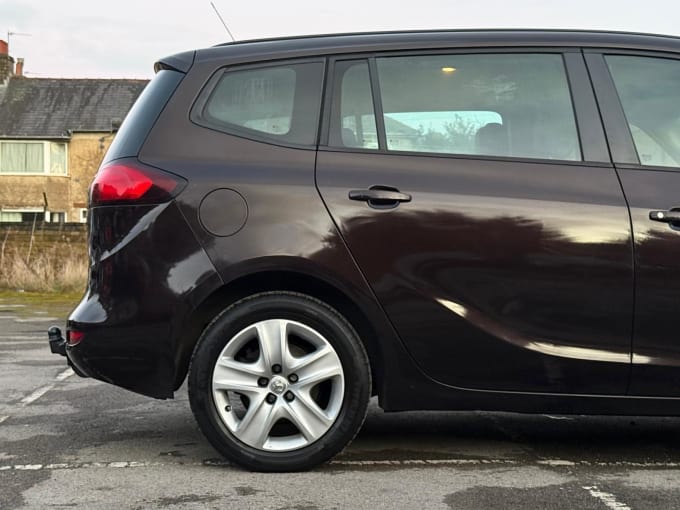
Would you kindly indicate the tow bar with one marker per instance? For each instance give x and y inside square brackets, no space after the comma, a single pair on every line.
[57,342]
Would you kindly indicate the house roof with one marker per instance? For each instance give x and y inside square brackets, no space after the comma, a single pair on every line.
[52,107]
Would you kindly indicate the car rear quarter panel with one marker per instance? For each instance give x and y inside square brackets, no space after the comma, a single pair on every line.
[135,303]
[287,229]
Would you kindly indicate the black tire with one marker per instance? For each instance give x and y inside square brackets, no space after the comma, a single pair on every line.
[313,314]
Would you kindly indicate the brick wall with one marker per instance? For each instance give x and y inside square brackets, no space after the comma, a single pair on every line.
[6,67]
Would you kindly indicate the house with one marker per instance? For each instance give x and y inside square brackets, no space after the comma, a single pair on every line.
[53,135]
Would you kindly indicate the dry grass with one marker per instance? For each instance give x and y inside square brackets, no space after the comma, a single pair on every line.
[51,270]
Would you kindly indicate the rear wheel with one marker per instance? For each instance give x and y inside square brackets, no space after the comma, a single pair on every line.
[279,381]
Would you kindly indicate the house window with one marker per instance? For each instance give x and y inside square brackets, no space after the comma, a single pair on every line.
[56,217]
[19,157]
[57,158]
[21,215]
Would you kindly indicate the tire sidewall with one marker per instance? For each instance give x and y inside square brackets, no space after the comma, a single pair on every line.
[312,313]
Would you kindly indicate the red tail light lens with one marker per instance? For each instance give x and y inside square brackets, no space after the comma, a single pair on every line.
[128,181]
[74,337]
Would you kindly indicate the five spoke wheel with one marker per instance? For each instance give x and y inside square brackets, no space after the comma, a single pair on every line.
[278,385]
[279,381]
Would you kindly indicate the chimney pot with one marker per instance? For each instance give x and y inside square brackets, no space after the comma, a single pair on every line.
[4,49]
[19,71]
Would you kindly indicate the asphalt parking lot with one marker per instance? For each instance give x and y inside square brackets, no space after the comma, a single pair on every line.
[72,442]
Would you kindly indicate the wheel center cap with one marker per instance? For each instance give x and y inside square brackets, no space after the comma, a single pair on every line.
[278,384]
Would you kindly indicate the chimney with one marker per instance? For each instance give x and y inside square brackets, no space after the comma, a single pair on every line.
[6,63]
[19,71]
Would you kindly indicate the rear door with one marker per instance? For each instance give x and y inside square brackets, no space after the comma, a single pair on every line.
[639,95]
[496,238]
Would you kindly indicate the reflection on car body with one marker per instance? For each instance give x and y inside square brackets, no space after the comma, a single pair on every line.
[447,220]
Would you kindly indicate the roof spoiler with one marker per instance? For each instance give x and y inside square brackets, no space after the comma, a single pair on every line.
[181,62]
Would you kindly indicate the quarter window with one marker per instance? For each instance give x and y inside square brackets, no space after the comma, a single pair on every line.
[280,103]
[649,90]
[507,105]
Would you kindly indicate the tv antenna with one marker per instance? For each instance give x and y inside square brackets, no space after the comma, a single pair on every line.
[223,23]
[10,34]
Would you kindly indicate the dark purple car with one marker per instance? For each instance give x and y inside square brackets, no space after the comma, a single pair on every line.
[447,220]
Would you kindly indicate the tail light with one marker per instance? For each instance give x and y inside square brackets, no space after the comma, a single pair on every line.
[127,181]
[74,337]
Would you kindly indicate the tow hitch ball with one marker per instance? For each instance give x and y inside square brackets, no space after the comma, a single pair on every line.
[57,342]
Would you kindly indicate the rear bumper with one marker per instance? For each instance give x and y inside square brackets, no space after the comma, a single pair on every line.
[147,274]
[58,346]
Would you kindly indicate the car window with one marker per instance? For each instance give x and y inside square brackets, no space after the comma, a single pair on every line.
[277,102]
[507,105]
[353,119]
[649,150]
[649,90]
[449,131]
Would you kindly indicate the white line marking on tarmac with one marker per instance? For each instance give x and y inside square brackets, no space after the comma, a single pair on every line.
[607,498]
[556,462]
[88,465]
[423,462]
[65,374]
[29,399]
[36,319]
[23,337]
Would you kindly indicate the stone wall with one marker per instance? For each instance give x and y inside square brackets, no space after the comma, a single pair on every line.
[19,191]
[85,153]
[46,236]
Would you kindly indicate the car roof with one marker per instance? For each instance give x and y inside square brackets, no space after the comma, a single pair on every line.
[370,42]
[386,41]
[511,35]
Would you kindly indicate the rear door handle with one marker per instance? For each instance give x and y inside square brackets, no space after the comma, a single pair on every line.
[380,197]
[670,216]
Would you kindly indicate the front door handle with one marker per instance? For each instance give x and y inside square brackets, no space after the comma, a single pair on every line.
[380,197]
[670,216]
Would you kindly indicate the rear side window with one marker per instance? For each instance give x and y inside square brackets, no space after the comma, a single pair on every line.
[649,90]
[507,105]
[278,103]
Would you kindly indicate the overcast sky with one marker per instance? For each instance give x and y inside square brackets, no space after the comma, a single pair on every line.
[123,38]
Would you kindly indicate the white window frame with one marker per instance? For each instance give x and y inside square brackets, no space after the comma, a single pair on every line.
[49,219]
[19,210]
[46,158]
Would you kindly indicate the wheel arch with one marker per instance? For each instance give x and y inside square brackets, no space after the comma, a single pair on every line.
[278,280]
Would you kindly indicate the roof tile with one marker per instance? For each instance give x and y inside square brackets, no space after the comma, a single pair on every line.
[51,107]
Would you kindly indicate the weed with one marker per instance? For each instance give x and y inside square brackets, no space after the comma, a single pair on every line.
[48,271]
